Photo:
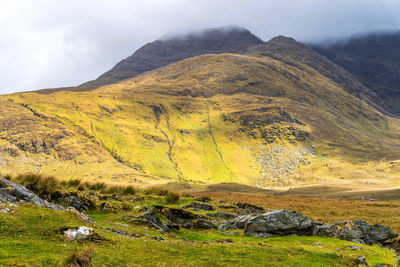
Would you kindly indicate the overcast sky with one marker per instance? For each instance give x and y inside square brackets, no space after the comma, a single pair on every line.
[54,43]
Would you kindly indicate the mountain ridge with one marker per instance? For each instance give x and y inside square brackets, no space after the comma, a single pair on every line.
[374,59]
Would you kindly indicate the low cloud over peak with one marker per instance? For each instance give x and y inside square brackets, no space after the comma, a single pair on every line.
[47,43]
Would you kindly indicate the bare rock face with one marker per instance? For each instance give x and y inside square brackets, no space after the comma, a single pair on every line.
[357,231]
[12,192]
[281,222]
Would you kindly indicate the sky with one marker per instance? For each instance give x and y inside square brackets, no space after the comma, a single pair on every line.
[57,43]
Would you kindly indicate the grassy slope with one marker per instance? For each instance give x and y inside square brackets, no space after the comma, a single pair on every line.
[197,133]
[36,240]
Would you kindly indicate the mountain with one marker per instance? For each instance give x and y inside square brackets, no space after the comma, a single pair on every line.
[374,59]
[276,114]
[173,48]
[290,51]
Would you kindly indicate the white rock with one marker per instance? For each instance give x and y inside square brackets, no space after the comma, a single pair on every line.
[81,233]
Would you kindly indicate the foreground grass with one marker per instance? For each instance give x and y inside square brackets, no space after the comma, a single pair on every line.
[31,236]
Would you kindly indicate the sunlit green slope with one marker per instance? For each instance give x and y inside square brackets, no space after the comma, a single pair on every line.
[237,118]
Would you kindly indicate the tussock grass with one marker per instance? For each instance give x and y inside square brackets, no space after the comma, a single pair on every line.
[172,198]
[81,258]
[42,185]
[156,190]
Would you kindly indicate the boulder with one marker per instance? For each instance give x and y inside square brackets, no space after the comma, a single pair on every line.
[356,231]
[153,219]
[178,216]
[241,221]
[12,192]
[81,232]
[280,222]
[237,223]
[200,206]
[224,226]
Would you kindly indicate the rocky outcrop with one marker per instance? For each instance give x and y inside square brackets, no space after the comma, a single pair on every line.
[287,222]
[200,206]
[280,222]
[12,192]
[152,218]
[178,216]
[356,231]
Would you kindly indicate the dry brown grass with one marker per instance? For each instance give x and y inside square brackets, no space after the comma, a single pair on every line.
[81,258]
[386,213]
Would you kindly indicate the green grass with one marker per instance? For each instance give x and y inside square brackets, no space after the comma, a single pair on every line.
[31,236]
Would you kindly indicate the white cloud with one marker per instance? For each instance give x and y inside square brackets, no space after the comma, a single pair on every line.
[50,43]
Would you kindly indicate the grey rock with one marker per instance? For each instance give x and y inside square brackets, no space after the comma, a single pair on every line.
[12,192]
[224,226]
[357,231]
[200,206]
[281,222]
[153,219]
[361,260]
[177,216]
[241,221]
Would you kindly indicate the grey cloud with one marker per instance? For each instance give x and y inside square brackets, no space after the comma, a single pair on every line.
[47,43]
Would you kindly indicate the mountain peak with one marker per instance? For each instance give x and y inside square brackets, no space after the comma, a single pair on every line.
[175,47]
[211,33]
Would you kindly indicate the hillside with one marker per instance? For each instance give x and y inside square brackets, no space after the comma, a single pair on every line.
[255,118]
[374,59]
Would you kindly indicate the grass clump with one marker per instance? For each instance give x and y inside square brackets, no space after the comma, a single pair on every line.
[172,198]
[81,258]
[155,190]
[42,185]
[129,190]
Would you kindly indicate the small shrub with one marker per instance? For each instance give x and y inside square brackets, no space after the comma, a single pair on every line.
[172,198]
[81,258]
[129,190]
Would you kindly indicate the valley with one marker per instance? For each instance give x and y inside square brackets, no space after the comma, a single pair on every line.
[207,149]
